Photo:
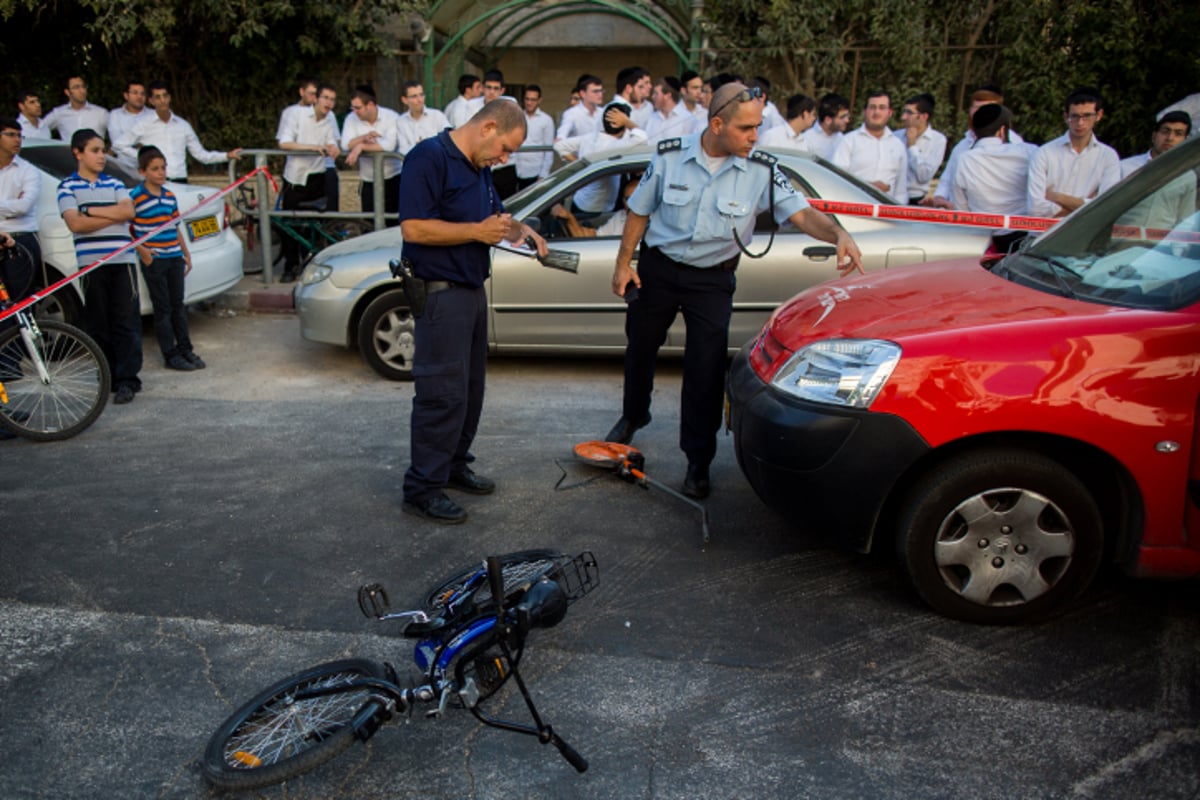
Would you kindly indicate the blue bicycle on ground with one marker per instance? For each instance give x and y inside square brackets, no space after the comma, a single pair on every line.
[470,636]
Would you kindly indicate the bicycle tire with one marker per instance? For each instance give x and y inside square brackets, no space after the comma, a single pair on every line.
[518,569]
[73,397]
[271,738]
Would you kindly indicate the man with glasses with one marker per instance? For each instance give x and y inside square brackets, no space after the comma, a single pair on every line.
[419,122]
[1072,169]
[696,207]
[926,147]
[872,154]
[77,113]
[533,166]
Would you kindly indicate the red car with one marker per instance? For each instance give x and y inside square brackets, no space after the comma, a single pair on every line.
[1006,425]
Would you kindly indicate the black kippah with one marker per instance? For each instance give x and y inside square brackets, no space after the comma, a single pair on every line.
[988,119]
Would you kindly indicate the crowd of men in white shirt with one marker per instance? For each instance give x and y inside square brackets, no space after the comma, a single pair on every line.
[990,169]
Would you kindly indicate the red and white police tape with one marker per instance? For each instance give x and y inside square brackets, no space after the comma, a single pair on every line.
[54,287]
[1013,222]
[943,216]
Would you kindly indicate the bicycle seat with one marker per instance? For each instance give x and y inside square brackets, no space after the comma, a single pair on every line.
[543,606]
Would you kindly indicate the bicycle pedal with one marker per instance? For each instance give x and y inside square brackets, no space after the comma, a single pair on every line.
[373,600]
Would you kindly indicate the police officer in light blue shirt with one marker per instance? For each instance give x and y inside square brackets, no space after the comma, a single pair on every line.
[696,208]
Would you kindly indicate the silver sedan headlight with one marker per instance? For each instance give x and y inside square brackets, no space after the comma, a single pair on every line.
[315,273]
[842,372]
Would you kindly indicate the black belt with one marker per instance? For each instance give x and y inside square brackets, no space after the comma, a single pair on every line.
[433,287]
[728,265]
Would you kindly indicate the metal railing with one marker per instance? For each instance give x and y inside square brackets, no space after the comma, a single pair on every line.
[266,210]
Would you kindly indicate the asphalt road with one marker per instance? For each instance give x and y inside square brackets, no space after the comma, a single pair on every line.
[208,538]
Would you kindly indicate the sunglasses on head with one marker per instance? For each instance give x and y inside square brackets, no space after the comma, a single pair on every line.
[744,96]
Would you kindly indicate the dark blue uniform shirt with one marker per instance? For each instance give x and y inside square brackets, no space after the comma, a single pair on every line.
[439,182]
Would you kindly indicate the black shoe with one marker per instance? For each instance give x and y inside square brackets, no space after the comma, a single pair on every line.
[696,483]
[467,481]
[125,394]
[289,276]
[439,508]
[195,360]
[622,432]
[180,363]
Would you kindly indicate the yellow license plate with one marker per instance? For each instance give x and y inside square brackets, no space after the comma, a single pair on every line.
[201,228]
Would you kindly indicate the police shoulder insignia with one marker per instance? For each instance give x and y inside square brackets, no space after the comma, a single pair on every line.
[766,159]
[667,145]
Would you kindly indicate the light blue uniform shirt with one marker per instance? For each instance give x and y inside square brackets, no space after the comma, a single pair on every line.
[693,213]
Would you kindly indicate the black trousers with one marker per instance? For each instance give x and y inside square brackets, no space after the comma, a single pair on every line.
[333,191]
[705,297]
[391,198]
[114,320]
[18,273]
[294,196]
[164,281]
[449,370]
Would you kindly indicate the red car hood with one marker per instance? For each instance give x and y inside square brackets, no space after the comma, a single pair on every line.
[909,302]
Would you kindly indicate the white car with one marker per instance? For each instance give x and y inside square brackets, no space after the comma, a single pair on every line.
[216,249]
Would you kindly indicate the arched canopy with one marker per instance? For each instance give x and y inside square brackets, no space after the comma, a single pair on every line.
[457,26]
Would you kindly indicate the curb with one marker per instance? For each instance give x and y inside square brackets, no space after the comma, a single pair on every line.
[251,294]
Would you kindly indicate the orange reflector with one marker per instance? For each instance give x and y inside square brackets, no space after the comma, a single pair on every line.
[249,759]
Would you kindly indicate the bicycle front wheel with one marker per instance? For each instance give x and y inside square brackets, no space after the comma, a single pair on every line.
[275,737]
[73,393]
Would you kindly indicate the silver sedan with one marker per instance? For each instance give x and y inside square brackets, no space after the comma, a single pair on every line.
[347,295]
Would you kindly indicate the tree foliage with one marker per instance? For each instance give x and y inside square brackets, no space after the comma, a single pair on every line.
[1137,52]
[230,63]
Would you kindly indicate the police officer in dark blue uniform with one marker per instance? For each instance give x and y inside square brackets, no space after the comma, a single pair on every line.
[450,214]
[696,205]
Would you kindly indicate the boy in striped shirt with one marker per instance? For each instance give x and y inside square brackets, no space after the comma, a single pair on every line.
[96,208]
[165,260]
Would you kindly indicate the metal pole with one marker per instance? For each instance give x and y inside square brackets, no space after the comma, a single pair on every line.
[377,189]
[264,217]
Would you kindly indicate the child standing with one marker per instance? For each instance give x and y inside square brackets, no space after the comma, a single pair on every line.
[165,260]
[96,208]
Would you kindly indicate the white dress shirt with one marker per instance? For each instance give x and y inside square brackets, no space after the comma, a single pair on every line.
[1133,164]
[120,121]
[20,185]
[1058,167]
[302,127]
[945,187]
[679,122]
[599,195]
[875,158]
[991,177]
[385,124]
[577,121]
[31,131]
[460,110]
[66,119]
[410,131]
[771,118]
[821,143]
[175,138]
[784,137]
[924,158]
[539,132]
